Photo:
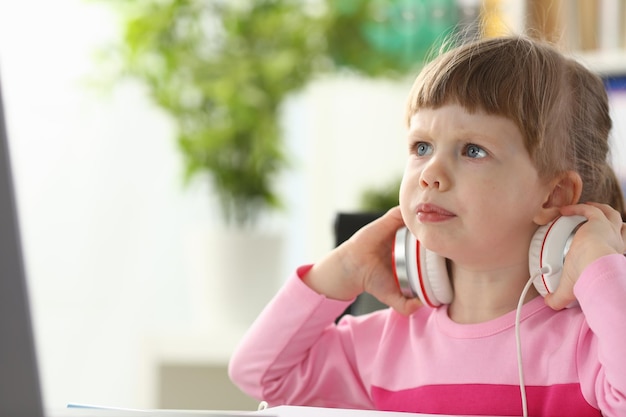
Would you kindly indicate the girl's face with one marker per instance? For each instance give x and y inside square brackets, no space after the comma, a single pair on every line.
[470,191]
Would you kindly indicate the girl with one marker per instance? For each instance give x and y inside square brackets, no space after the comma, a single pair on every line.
[505,135]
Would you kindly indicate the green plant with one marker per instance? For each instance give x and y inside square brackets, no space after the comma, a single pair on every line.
[380,199]
[222,69]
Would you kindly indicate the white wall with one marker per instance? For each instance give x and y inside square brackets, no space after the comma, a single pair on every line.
[116,248]
[103,216]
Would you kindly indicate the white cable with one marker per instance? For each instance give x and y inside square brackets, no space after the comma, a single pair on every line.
[518,339]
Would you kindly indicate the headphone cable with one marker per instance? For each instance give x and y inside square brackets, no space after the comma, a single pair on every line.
[518,339]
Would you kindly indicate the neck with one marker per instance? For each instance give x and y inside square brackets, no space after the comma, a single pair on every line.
[485,295]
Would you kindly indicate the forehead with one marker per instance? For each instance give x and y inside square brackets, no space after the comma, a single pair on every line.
[457,119]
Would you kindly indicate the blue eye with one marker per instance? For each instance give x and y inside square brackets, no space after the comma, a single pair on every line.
[423,149]
[475,151]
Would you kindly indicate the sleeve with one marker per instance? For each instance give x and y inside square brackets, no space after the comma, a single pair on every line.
[295,354]
[601,292]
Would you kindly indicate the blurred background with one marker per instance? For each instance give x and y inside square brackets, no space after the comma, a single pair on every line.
[175,160]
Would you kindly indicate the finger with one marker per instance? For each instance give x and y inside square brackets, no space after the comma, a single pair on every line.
[394,212]
[609,212]
[615,218]
[407,306]
[555,302]
[394,216]
[401,304]
[586,210]
[560,298]
[387,223]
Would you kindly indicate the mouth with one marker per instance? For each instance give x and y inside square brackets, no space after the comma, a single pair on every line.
[433,213]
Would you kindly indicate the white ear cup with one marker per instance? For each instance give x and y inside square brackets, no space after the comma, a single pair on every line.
[548,248]
[433,278]
[420,272]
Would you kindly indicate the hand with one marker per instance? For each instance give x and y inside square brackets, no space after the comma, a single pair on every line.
[363,263]
[374,264]
[602,234]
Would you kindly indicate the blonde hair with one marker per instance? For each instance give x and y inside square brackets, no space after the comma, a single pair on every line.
[560,107]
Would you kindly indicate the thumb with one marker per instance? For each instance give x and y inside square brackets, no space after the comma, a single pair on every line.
[561,297]
[404,305]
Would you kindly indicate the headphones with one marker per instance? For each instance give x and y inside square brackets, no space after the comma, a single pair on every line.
[422,273]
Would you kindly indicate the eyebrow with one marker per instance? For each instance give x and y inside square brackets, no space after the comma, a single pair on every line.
[466,134]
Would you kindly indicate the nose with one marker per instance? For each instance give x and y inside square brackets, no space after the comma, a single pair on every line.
[434,175]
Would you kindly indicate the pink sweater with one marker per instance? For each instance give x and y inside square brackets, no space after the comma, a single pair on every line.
[574,359]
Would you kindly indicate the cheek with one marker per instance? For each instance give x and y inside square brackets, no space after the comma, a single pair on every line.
[408,188]
[506,196]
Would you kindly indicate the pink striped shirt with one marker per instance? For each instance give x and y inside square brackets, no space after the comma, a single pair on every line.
[574,359]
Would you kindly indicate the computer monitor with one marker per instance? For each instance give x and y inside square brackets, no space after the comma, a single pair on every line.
[20,392]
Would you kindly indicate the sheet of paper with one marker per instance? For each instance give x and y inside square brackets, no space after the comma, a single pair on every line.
[90,410]
[83,410]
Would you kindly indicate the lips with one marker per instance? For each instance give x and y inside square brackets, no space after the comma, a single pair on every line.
[433,213]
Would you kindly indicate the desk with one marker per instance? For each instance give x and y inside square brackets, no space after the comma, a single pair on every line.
[281,411]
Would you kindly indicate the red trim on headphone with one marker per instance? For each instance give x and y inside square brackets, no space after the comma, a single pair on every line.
[418,258]
[394,267]
[543,243]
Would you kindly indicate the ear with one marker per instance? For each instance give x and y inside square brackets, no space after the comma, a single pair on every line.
[564,190]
